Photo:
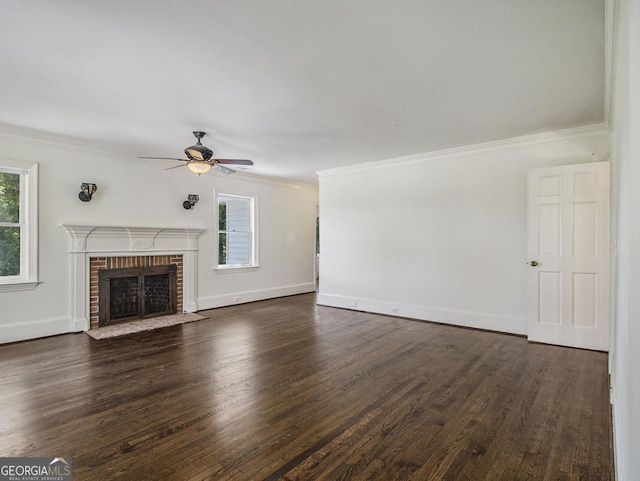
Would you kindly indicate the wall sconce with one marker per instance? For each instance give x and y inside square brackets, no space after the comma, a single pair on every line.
[87,191]
[192,199]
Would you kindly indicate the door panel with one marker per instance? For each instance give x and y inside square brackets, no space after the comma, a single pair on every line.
[550,297]
[568,274]
[585,229]
[550,242]
[585,293]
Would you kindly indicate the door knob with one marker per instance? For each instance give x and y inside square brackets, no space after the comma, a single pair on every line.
[533,263]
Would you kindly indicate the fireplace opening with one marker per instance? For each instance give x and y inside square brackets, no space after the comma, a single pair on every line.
[136,293]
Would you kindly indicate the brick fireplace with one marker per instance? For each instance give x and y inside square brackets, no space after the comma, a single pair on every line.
[103,271]
[96,248]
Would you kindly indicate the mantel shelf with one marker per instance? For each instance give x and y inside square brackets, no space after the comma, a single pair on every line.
[94,238]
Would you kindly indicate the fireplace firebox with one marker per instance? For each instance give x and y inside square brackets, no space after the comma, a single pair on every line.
[131,293]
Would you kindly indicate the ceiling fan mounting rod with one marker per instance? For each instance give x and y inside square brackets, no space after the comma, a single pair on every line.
[199,134]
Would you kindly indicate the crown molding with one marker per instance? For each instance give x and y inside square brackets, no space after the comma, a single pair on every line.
[57,141]
[273,181]
[579,133]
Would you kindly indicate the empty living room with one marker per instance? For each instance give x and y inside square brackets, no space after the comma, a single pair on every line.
[329,240]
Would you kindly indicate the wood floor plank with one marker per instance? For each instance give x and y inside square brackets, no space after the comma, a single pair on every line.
[286,390]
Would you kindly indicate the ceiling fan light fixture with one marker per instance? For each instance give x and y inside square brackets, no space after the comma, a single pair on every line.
[199,166]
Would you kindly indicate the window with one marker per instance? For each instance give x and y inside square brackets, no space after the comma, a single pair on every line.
[18,225]
[236,231]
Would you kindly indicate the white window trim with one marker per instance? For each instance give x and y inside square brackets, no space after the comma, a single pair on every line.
[256,239]
[28,278]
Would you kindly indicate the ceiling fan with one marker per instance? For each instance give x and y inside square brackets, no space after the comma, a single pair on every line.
[200,159]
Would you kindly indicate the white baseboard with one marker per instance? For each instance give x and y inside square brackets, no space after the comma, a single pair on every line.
[33,329]
[478,320]
[617,432]
[212,302]
[80,324]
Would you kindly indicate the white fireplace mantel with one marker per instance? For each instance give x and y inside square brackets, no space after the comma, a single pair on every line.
[103,241]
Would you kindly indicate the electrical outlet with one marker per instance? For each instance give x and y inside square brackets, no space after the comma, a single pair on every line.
[237,299]
[395,310]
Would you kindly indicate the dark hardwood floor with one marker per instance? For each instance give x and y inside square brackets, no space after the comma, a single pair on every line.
[283,389]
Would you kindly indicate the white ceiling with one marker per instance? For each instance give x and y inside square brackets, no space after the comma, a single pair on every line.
[300,85]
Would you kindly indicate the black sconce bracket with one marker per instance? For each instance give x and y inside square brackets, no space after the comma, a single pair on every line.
[192,199]
[86,191]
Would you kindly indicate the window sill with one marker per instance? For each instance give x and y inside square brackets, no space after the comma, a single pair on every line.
[19,286]
[235,269]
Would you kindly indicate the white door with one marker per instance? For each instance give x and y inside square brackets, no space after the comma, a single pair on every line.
[568,247]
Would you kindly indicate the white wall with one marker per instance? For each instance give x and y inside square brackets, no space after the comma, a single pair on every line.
[625,147]
[439,236]
[138,193]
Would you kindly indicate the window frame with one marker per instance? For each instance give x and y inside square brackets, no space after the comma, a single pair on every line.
[253,233]
[28,223]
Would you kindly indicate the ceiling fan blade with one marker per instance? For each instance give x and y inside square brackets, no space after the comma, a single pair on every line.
[163,158]
[224,170]
[234,161]
[176,166]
